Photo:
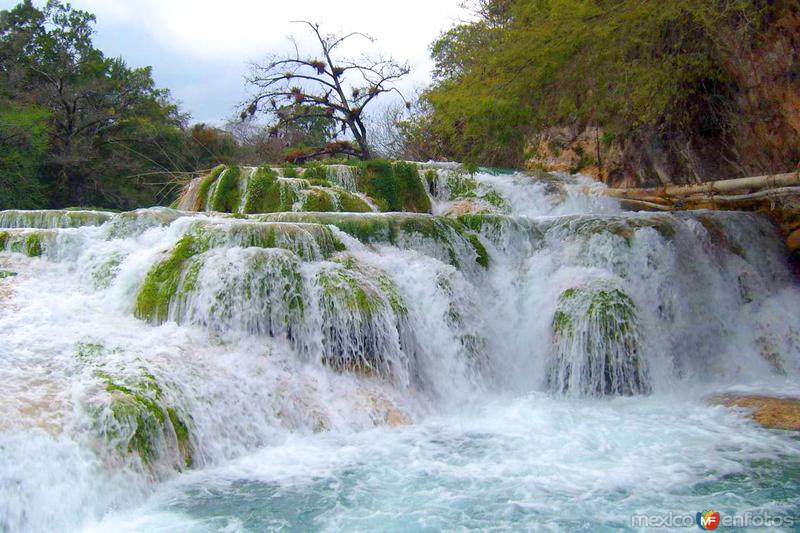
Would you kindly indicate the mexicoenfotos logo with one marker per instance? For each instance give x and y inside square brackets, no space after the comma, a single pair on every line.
[708,520]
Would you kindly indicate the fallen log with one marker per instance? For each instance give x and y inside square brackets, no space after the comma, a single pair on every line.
[709,189]
[776,195]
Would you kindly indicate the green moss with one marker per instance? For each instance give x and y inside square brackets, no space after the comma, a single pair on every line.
[431,178]
[376,179]
[341,286]
[179,270]
[350,203]
[24,241]
[318,199]
[142,421]
[226,194]
[205,186]
[354,297]
[482,255]
[88,352]
[494,198]
[49,219]
[393,187]
[597,322]
[161,283]
[461,186]
[411,193]
[33,245]
[562,323]
[380,279]
[7,274]
[261,195]
[391,228]
[316,174]
[290,172]
[104,273]
[266,193]
[366,228]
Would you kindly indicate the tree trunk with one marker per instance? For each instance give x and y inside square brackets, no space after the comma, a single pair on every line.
[708,189]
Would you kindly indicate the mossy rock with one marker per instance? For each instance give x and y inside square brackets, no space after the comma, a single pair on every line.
[394,186]
[135,415]
[143,423]
[136,222]
[7,274]
[596,348]
[396,229]
[351,203]
[104,273]
[203,202]
[311,241]
[363,314]
[268,193]
[622,227]
[161,284]
[179,268]
[261,293]
[717,234]
[482,255]
[52,219]
[225,195]
[33,243]
[320,199]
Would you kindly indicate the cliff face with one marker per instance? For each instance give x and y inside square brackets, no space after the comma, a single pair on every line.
[750,127]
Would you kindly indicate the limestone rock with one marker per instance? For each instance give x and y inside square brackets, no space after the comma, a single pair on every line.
[770,412]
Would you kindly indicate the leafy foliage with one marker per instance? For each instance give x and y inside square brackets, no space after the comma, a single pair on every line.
[621,64]
[78,128]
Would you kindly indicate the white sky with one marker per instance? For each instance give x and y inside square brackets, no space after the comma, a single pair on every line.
[199,48]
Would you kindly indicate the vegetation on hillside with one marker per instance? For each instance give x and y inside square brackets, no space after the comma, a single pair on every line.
[671,72]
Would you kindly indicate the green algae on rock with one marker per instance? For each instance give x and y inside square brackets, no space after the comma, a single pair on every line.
[364,319]
[446,238]
[596,346]
[134,414]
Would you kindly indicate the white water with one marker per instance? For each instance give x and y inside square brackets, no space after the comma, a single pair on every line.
[449,427]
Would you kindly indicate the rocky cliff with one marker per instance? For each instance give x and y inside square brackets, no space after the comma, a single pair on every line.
[750,127]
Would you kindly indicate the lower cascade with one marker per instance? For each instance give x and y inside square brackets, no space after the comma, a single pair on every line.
[324,338]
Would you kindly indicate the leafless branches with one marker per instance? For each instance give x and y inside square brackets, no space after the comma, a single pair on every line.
[302,88]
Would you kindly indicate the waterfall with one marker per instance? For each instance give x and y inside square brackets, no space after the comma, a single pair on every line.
[143,344]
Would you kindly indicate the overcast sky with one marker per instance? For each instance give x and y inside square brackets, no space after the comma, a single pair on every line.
[199,48]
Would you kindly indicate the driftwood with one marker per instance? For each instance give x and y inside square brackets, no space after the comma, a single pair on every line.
[724,194]
[776,195]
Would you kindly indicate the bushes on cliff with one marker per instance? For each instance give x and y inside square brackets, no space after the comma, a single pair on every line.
[624,65]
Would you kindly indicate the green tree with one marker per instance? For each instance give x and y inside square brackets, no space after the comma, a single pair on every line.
[24,134]
[108,124]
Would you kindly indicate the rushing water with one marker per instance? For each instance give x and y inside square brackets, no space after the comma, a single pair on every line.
[371,373]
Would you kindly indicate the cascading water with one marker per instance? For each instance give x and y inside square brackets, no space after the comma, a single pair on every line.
[537,359]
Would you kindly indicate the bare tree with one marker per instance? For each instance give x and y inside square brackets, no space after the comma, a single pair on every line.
[303,88]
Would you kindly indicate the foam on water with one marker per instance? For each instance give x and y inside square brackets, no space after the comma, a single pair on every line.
[371,372]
